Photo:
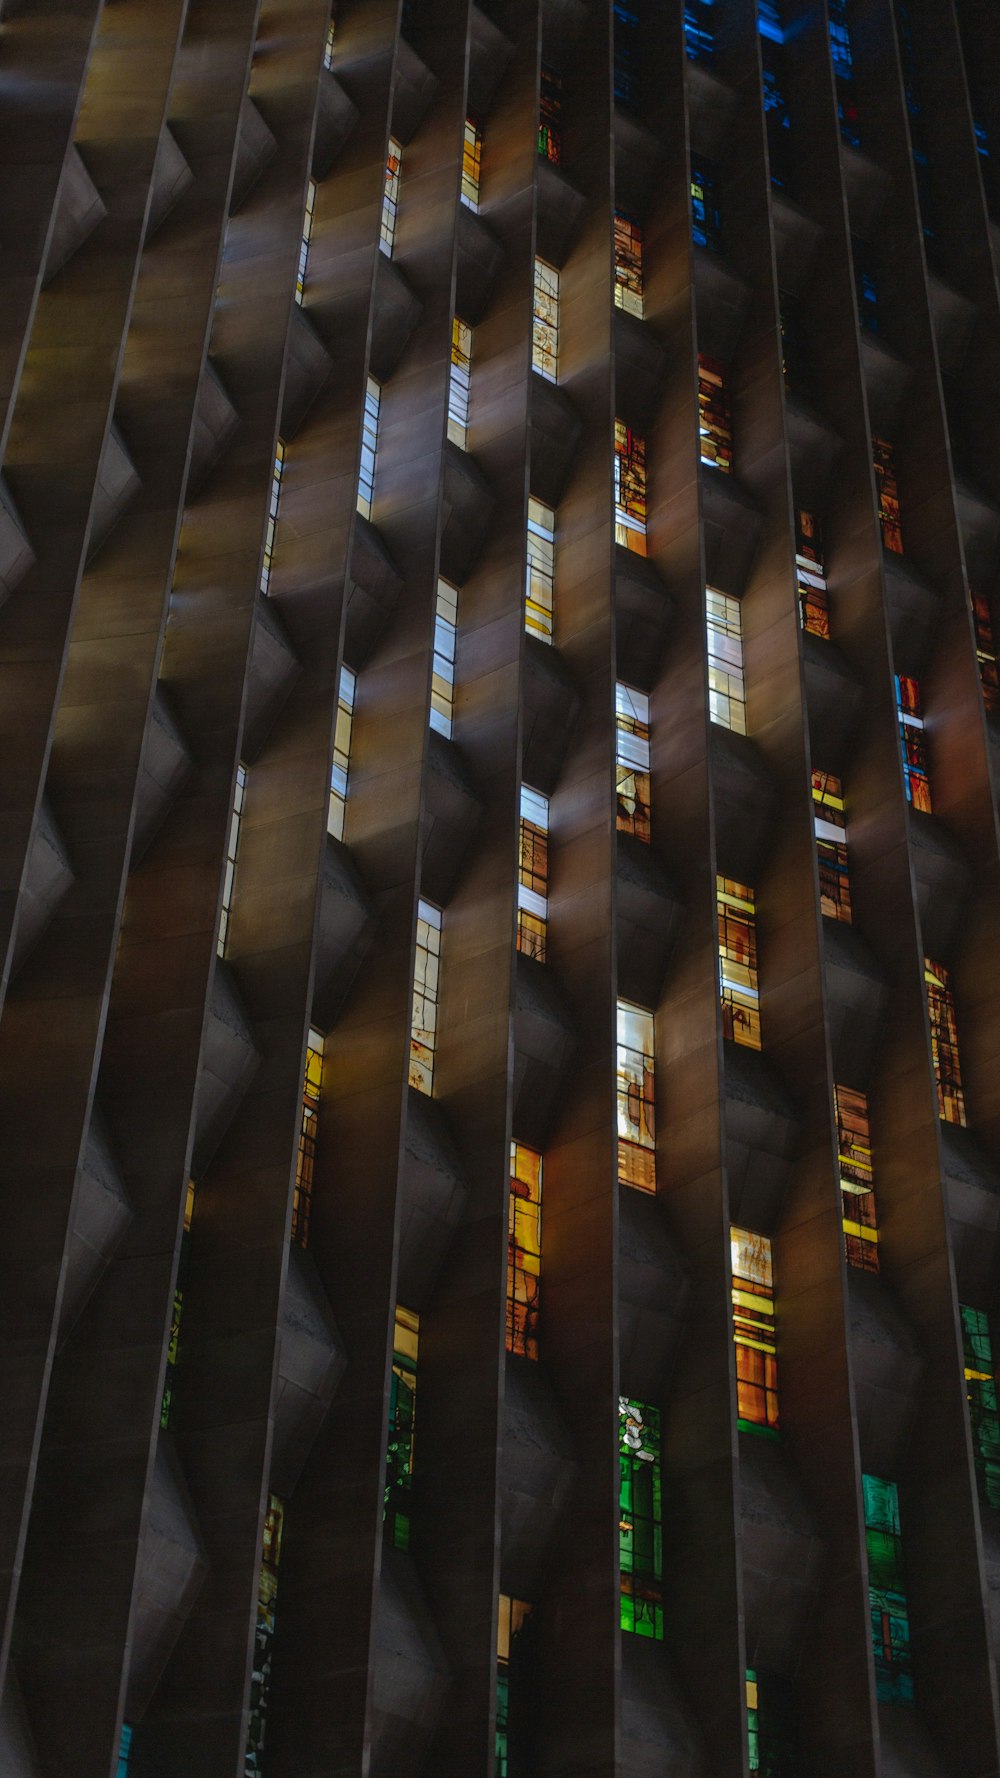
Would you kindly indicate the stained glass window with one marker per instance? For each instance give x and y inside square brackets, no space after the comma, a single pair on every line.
[830,822]
[980,1382]
[630,488]
[865,284]
[944,1043]
[458,383]
[180,1285]
[305,1159]
[369,447]
[890,1618]
[777,117]
[307,229]
[445,642]
[550,116]
[341,753]
[754,1333]
[267,559]
[540,570]
[814,608]
[423,1026]
[390,197]
[986,650]
[843,68]
[770,1726]
[124,1750]
[402,1413]
[533,873]
[512,1616]
[524,1250]
[706,217]
[640,1522]
[632,761]
[232,847]
[628,264]
[726,690]
[738,962]
[699,30]
[913,739]
[331,33]
[267,1596]
[857,1191]
[472,163]
[545,322]
[636,1097]
[628,58]
[887,490]
[714,421]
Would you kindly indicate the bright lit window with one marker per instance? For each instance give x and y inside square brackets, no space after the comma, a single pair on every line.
[540,570]
[630,488]
[706,220]
[628,264]
[913,740]
[511,1618]
[390,197]
[814,607]
[550,116]
[726,689]
[890,1617]
[830,822]
[533,874]
[304,244]
[305,1159]
[472,164]
[981,1388]
[341,753]
[640,1518]
[423,1026]
[714,420]
[944,1043]
[445,640]
[267,1594]
[524,1250]
[369,447]
[986,650]
[632,761]
[272,515]
[402,1414]
[232,845]
[738,963]
[180,1285]
[857,1191]
[887,491]
[458,384]
[331,32]
[545,322]
[754,1333]
[635,1091]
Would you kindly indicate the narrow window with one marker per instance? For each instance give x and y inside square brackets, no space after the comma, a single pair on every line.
[890,1617]
[843,69]
[472,163]
[232,846]
[272,514]
[632,761]
[545,322]
[331,32]
[913,739]
[738,962]
[887,489]
[726,691]
[628,264]
[458,386]
[369,448]
[699,32]
[814,607]
[180,1285]
[944,1043]
[830,821]
[706,218]
[390,197]
[795,358]
[267,1593]
[307,229]
[423,1026]
[541,570]
[305,1159]
[714,421]
[341,753]
[636,1097]
[771,1735]
[445,642]
[628,58]
[630,488]
[640,1518]
[550,116]
[402,1412]
[986,650]
[865,284]
[857,1191]
[124,1750]
[533,873]
[754,1333]
[980,1382]
[524,1250]
[512,1616]
[777,117]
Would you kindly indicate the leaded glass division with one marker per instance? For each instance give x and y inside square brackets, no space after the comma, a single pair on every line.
[304,244]
[124,1751]
[890,1617]
[267,1597]
[981,1388]
[814,606]
[913,740]
[944,1043]
[423,1025]
[830,823]
[771,1738]
[442,713]
[636,1097]
[524,1250]
[628,56]
[754,1333]
[369,448]
[402,1414]
[738,984]
[777,117]
[726,689]
[305,1159]
[630,488]
[533,873]
[180,1286]
[232,847]
[545,322]
[706,217]
[699,30]
[472,164]
[842,55]
[714,419]
[341,763]
[632,761]
[273,499]
[541,567]
[640,1524]
[857,1179]
[986,650]
[550,116]
[390,197]
[512,1617]
[459,383]
[628,265]
[887,493]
